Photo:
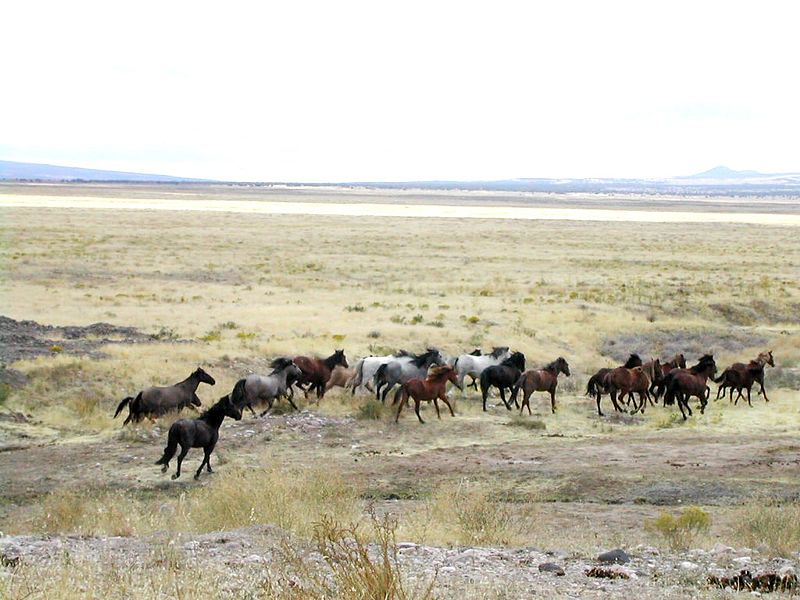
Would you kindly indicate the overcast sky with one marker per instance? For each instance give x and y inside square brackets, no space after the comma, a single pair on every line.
[346,91]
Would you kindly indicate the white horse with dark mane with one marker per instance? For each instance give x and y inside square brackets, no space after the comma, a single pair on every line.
[366,367]
[404,368]
[472,365]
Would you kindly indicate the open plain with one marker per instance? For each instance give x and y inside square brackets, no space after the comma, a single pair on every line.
[473,504]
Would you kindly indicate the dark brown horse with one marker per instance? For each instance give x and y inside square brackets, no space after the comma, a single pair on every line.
[155,401]
[202,432]
[628,382]
[678,361]
[682,384]
[433,387]
[540,380]
[740,376]
[502,376]
[596,386]
[317,371]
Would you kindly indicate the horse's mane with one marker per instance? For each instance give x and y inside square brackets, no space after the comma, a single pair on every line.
[497,351]
[402,352]
[280,363]
[633,361]
[439,370]
[516,360]
[702,363]
[214,409]
[420,359]
[330,361]
[476,352]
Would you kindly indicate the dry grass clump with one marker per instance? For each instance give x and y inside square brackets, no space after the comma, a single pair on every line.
[292,499]
[464,513]
[680,532]
[770,523]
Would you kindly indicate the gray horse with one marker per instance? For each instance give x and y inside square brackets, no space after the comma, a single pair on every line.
[404,368]
[155,401]
[255,389]
[365,369]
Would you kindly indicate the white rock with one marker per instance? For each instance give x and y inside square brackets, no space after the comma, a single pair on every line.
[689,566]
[743,560]
[721,549]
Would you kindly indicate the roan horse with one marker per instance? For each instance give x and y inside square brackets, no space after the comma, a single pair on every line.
[473,365]
[402,369]
[202,432]
[502,376]
[317,371]
[433,387]
[155,401]
[682,384]
[740,376]
[597,383]
[540,380]
[256,389]
[366,367]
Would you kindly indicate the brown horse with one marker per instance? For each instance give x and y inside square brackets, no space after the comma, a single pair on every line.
[341,376]
[540,380]
[155,401]
[742,377]
[652,368]
[433,387]
[682,384]
[678,361]
[317,371]
[596,386]
[628,382]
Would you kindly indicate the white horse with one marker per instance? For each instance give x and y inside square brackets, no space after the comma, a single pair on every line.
[472,365]
[366,368]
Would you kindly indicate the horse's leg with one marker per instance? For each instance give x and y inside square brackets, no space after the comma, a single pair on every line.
[552,401]
[250,407]
[763,391]
[386,392]
[446,401]
[206,455]
[399,409]
[599,412]
[503,397]
[680,405]
[748,398]
[484,393]
[181,456]
[416,410]
[294,406]
[436,406]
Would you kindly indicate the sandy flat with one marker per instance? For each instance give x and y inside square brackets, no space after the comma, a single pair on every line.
[396,210]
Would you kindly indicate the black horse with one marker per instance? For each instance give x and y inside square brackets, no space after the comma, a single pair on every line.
[202,432]
[502,376]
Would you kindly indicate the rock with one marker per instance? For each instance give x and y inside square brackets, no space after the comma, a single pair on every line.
[742,560]
[721,549]
[549,567]
[689,566]
[618,556]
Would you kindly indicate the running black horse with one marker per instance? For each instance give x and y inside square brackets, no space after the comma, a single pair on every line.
[502,376]
[202,432]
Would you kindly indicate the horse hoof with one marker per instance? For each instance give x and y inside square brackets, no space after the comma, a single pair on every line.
[175,476]
[164,468]
[197,477]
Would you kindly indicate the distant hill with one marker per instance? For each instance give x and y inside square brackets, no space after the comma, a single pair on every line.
[721,172]
[21,171]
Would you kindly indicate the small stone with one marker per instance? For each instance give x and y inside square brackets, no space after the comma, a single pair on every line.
[550,567]
[742,560]
[721,549]
[617,556]
[689,566]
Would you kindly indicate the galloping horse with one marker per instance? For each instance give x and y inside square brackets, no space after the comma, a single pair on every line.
[341,377]
[502,376]
[597,387]
[473,364]
[433,387]
[366,367]
[155,401]
[402,369]
[682,384]
[678,361]
[256,389]
[541,380]
[628,382]
[740,376]
[317,371]
[202,432]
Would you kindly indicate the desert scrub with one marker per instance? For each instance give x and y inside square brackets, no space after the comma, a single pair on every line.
[770,523]
[527,423]
[371,410]
[680,532]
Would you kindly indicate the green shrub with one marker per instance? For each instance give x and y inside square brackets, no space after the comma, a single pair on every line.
[371,410]
[680,532]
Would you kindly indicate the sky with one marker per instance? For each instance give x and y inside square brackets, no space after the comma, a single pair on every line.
[401,91]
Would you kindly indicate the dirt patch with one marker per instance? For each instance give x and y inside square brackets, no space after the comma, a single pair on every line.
[692,343]
[28,339]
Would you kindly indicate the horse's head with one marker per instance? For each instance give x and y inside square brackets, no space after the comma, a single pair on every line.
[516,360]
[280,363]
[293,373]
[563,365]
[340,358]
[765,358]
[680,360]
[657,374]
[229,409]
[203,376]
[633,361]
[501,352]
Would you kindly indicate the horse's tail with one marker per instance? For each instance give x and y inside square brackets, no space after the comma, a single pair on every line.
[722,377]
[171,448]
[358,377]
[669,391]
[515,388]
[455,364]
[238,396]
[591,387]
[122,404]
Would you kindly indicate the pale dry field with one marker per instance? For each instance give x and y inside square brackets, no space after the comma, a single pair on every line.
[229,291]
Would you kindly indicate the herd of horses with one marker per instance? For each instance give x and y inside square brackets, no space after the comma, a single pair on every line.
[423,377]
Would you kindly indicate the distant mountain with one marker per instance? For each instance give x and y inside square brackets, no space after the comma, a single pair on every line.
[721,172]
[20,171]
